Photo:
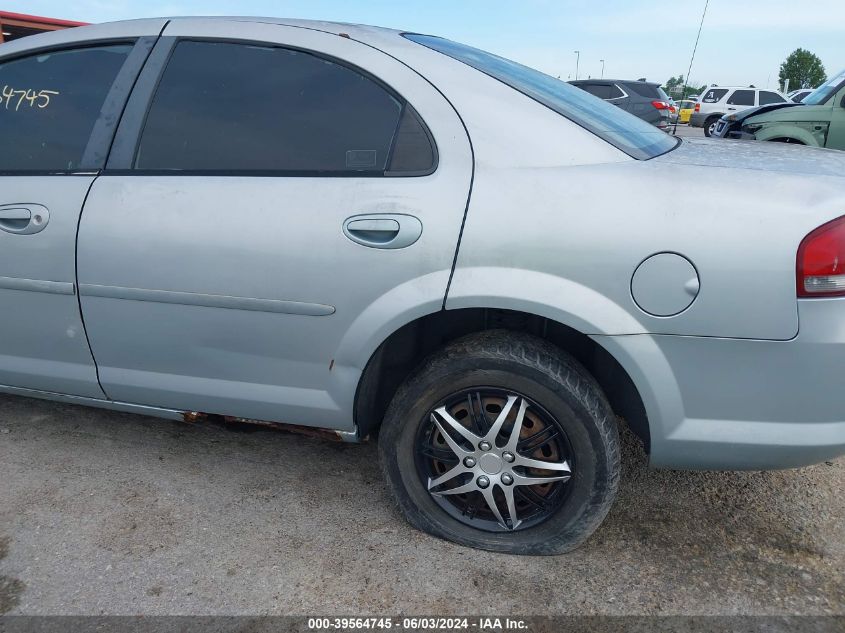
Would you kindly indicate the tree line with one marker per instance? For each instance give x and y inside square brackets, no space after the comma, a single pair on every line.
[801,68]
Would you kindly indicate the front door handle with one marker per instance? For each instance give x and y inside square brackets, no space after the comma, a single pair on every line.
[383,230]
[23,219]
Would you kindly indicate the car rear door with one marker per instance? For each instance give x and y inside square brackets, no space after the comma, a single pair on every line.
[271,193]
[58,110]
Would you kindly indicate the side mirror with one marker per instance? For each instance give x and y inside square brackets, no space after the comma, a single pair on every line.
[842,103]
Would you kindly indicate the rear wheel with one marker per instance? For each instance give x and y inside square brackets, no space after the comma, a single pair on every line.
[503,442]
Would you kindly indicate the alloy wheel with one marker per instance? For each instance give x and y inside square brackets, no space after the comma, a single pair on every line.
[494,459]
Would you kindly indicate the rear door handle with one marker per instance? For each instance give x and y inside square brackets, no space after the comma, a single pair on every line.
[23,219]
[383,230]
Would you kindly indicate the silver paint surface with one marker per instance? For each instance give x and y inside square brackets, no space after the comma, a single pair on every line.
[557,223]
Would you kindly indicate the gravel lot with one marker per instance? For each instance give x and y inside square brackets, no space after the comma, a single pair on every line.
[109,513]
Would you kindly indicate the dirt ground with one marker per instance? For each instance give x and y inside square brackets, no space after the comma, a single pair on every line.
[109,513]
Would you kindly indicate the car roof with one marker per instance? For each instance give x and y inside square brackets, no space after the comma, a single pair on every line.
[154,26]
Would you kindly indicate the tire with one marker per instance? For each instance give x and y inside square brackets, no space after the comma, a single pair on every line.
[710,123]
[560,395]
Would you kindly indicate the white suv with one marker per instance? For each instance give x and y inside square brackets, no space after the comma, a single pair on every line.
[717,101]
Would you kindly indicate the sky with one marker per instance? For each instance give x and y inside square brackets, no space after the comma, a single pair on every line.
[742,43]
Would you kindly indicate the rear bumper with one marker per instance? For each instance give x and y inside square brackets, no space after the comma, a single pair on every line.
[697,119]
[739,404]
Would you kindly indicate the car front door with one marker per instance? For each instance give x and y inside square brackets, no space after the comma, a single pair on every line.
[272,193]
[57,114]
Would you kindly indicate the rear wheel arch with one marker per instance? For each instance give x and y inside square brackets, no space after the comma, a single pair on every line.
[407,347]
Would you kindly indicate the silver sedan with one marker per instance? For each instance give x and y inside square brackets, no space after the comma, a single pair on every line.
[366,231]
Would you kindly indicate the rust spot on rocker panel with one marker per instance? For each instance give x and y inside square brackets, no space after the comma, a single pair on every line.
[232,422]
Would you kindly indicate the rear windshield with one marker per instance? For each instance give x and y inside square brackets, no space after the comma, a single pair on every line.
[624,131]
[820,95]
[649,91]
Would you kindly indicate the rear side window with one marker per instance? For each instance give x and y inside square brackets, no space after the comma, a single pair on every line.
[601,91]
[742,97]
[230,107]
[767,97]
[713,95]
[615,92]
[49,104]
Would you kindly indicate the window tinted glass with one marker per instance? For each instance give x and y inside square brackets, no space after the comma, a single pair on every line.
[238,107]
[713,96]
[767,97]
[742,97]
[649,91]
[597,90]
[615,92]
[412,151]
[824,92]
[622,130]
[49,104]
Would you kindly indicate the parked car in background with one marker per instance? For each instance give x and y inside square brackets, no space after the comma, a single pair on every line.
[644,99]
[818,121]
[378,233]
[798,95]
[685,110]
[718,101]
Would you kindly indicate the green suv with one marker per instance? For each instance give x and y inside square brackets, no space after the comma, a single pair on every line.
[818,121]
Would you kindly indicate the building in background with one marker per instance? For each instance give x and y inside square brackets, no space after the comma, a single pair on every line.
[17,25]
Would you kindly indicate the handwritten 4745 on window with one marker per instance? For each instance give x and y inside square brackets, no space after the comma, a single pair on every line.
[32,98]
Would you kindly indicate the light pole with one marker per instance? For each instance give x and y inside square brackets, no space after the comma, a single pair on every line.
[602,68]
[577,61]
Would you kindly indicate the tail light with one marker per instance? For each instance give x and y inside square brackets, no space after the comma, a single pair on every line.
[660,105]
[821,261]
[698,107]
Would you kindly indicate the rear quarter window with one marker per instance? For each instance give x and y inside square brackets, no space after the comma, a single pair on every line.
[713,96]
[616,92]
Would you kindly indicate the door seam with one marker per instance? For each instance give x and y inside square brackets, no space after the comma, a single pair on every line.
[76,284]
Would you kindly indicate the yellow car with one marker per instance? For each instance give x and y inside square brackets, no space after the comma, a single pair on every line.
[685,109]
